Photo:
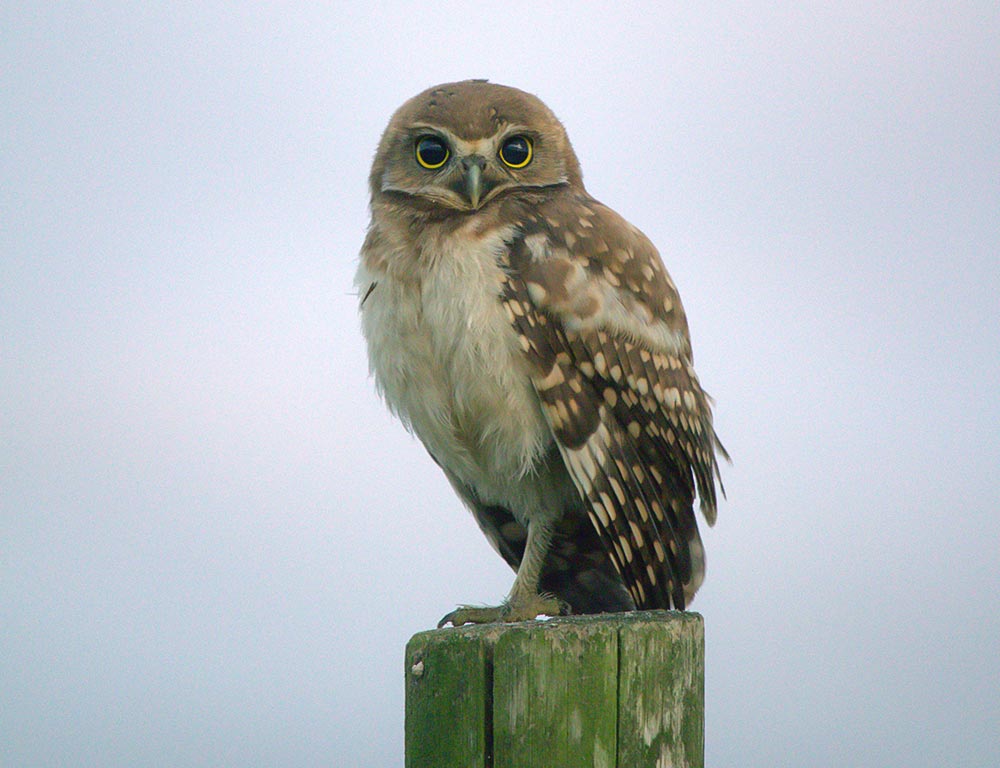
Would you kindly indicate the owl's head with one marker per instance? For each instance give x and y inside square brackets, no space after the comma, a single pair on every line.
[460,145]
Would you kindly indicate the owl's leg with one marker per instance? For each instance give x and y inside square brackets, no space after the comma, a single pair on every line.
[524,601]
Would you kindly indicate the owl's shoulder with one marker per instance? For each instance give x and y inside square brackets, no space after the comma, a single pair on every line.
[585,264]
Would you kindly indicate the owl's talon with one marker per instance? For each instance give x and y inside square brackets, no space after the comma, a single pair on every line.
[509,612]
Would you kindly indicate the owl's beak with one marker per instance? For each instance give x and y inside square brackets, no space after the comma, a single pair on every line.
[472,167]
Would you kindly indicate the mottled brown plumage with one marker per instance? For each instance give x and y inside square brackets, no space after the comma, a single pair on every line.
[533,340]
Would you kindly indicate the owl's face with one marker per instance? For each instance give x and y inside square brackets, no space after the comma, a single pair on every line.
[458,146]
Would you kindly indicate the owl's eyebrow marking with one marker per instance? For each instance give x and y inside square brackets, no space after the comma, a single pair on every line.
[419,129]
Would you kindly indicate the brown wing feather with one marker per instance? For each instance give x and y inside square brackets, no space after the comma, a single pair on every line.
[602,323]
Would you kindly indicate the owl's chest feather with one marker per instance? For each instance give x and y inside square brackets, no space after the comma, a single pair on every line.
[448,362]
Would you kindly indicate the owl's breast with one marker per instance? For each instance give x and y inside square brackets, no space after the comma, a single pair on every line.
[447,360]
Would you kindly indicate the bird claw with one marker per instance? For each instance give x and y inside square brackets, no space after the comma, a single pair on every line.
[509,612]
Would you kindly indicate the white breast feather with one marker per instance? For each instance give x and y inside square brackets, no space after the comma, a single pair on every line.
[448,363]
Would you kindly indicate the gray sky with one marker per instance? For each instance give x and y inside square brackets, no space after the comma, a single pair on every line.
[214,541]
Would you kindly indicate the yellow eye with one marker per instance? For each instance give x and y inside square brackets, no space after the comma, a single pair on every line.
[516,151]
[432,152]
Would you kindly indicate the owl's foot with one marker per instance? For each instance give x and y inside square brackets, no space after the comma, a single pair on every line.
[510,611]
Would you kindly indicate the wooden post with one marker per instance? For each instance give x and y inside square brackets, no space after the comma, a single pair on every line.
[609,691]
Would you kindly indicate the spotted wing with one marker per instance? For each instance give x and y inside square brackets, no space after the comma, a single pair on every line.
[601,323]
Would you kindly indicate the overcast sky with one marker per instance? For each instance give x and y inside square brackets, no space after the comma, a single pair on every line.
[215,543]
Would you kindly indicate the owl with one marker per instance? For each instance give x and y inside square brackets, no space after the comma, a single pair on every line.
[532,339]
